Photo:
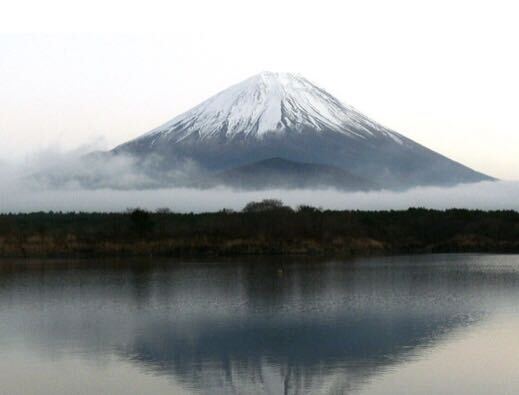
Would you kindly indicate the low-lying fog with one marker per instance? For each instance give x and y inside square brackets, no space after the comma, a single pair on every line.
[498,195]
[20,193]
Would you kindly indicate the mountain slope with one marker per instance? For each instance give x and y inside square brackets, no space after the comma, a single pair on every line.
[286,116]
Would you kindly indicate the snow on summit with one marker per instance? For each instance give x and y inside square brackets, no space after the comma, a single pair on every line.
[269,103]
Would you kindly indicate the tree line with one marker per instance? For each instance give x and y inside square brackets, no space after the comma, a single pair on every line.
[263,227]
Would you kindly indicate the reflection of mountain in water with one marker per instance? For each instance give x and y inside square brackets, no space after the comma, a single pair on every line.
[258,328]
[276,356]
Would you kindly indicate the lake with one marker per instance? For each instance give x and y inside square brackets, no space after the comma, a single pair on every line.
[430,324]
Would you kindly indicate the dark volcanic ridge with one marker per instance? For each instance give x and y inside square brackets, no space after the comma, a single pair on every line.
[282,173]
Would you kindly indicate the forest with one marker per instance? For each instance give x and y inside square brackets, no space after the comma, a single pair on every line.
[264,227]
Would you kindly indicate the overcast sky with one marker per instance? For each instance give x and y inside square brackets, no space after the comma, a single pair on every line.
[443,73]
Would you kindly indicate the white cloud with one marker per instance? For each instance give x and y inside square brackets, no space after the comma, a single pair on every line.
[487,195]
[60,180]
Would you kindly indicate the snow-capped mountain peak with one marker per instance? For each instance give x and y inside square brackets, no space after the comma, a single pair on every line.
[238,134]
[269,103]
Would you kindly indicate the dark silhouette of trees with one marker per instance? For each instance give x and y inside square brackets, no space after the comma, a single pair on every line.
[142,222]
[267,226]
[265,205]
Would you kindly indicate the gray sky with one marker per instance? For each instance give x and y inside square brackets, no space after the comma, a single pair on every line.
[442,73]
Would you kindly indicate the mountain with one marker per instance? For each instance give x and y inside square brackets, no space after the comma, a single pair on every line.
[281,115]
[278,172]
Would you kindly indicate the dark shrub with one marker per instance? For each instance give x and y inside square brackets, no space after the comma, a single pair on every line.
[265,205]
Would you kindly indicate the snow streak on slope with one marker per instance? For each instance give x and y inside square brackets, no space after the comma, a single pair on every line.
[269,103]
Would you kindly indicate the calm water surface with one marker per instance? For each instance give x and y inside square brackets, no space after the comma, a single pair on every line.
[444,324]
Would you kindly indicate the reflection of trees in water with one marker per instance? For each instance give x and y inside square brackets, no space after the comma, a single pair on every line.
[273,327]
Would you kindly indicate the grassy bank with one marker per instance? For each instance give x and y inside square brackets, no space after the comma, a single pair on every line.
[267,229]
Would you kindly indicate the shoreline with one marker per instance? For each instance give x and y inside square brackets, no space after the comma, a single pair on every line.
[239,248]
